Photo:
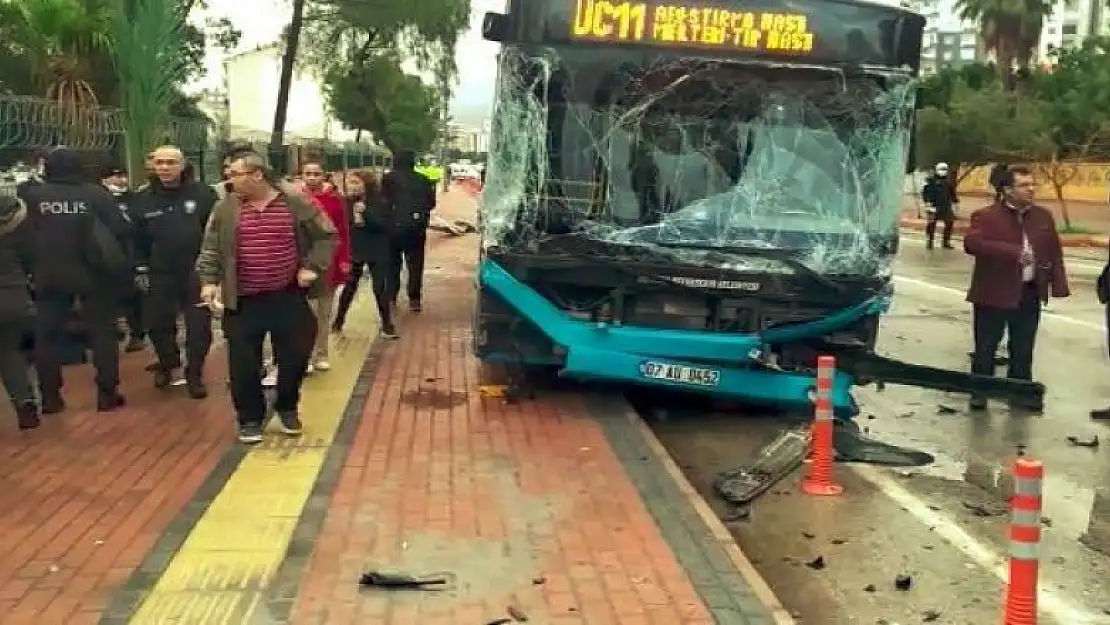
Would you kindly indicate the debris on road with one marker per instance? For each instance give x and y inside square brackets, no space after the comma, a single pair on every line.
[456,228]
[736,514]
[903,582]
[930,616]
[817,563]
[943,409]
[983,509]
[1080,442]
[399,581]
[773,462]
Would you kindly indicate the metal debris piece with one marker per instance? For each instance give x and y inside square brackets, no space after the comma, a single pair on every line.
[869,588]
[397,580]
[1079,442]
[984,510]
[773,462]
[903,582]
[942,409]
[817,563]
[736,514]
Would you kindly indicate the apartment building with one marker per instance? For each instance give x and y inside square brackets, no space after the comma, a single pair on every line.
[947,41]
[252,79]
[1071,22]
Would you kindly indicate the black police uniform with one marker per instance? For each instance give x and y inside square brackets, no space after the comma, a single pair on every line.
[70,266]
[169,224]
[410,198]
[132,302]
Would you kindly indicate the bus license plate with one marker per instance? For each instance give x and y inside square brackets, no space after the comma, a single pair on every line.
[695,376]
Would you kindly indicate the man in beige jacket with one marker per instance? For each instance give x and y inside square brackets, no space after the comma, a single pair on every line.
[263,253]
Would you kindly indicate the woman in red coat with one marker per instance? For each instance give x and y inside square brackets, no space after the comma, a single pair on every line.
[334,206]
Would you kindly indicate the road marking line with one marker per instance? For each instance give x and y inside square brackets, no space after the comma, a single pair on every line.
[1062,609]
[961,293]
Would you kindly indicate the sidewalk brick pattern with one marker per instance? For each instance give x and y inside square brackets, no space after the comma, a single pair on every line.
[520,504]
[86,495]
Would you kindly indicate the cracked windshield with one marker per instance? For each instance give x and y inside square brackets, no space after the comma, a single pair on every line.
[694,158]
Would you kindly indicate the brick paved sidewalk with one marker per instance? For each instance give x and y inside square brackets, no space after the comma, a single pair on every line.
[529,504]
[87,494]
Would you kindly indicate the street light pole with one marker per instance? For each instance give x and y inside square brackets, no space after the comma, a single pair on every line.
[444,134]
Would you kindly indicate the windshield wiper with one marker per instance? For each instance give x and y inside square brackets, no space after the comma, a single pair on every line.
[770,253]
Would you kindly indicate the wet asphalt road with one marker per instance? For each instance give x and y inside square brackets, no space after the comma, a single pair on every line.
[943,524]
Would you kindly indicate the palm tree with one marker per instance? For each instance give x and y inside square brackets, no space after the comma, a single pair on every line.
[58,41]
[285,82]
[147,40]
[1010,29]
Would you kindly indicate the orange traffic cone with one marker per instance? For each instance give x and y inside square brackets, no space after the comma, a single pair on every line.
[819,481]
[1020,601]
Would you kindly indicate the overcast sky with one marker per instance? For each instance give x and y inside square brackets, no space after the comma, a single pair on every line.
[473,94]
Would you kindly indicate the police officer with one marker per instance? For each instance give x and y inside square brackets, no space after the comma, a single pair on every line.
[80,257]
[169,217]
[410,198]
[115,180]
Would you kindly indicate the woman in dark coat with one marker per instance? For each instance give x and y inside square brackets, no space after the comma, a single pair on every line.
[372,249]
[16,316]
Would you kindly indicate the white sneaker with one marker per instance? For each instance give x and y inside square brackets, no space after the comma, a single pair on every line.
[270,379]
[322,364]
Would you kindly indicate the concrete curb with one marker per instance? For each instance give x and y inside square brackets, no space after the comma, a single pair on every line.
[759,586]
[1069,240]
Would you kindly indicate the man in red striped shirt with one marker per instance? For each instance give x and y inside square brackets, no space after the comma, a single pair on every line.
[263,254]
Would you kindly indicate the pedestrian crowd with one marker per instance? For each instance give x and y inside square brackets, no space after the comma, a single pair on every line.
[277,260]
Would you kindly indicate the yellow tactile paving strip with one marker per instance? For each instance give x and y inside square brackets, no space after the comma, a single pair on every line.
[225,565]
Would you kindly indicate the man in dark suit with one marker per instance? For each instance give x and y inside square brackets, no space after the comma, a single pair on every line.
[1019,262]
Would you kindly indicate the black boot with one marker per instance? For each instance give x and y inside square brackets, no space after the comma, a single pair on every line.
[107,401]
[163,378]
[194,385]
[27,415]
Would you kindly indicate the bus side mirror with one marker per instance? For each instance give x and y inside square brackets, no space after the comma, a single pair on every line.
[494,26]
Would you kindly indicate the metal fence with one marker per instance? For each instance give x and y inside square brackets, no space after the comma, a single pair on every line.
[29,124]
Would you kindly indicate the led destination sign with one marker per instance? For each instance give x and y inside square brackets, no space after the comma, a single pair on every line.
[667,24]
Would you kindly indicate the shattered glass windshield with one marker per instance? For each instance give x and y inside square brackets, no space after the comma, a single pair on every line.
[698,161]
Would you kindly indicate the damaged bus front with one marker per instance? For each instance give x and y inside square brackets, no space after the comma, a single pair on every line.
[700,195]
